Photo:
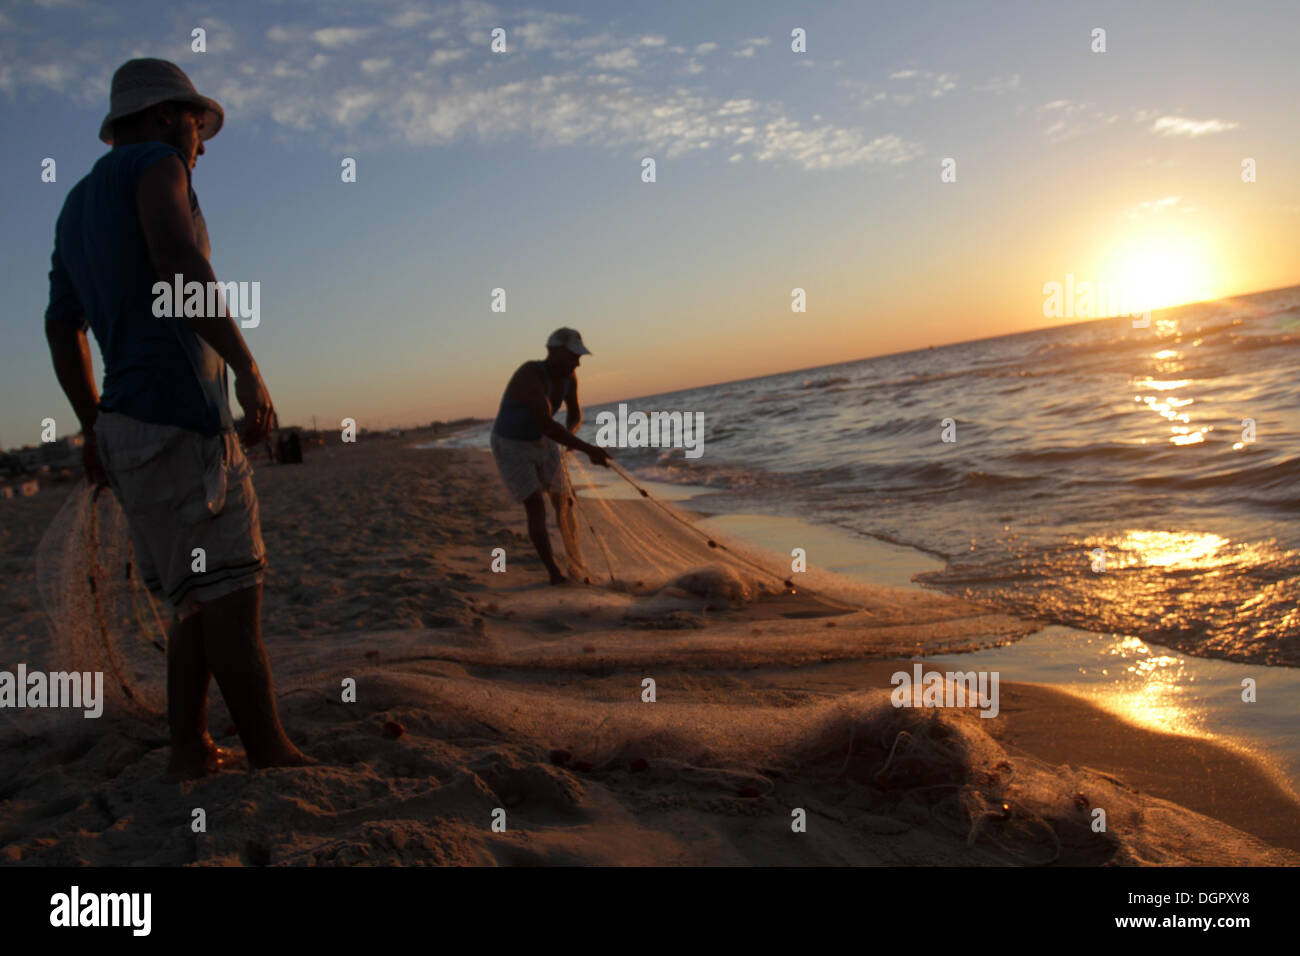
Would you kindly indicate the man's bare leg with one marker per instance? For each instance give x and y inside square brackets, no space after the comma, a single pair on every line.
[193,752]
[535,506]
[232,642]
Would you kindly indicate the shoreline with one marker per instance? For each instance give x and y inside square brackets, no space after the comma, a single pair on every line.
[379,570]
[1201,774]
[1145,684]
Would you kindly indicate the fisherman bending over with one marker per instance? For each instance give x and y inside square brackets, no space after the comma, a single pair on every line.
[525,437]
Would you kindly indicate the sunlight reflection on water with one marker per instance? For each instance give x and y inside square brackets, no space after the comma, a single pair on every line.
[1161,689]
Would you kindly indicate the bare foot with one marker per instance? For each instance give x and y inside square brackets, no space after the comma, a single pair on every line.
[199,760]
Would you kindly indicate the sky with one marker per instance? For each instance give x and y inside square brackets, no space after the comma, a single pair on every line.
[821,170]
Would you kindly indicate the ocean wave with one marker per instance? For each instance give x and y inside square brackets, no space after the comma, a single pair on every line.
[825,382]
[1283,475]
[1091,452]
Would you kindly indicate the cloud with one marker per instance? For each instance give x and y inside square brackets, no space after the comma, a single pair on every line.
[999,84]
[237,96]
[569,109]
[439,57]
[394,82]
[736,108]
[915,84]
[923,83]
[624,59]
[1160,206]
[827,147]
[1156,206]
[475,12]
[409,18]
[334,37]
[57,76]
[289,116]
[1068,119]
[1181,126]
[543,31]
[943,83]
[350,105]
[219,37]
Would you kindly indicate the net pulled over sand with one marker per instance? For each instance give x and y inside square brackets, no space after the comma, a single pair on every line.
[538,707]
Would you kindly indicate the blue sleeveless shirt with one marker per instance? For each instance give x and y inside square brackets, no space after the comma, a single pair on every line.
[102,276]
[515,420]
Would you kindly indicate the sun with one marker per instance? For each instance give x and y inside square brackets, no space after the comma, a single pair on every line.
[1159,268]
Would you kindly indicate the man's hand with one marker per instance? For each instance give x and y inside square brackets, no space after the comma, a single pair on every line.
[255,400]
[598,456]
[90,460]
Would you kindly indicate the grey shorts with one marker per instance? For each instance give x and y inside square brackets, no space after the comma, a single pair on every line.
[528,467]
[191,507]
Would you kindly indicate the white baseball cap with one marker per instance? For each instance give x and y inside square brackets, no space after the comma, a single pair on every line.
[568,339]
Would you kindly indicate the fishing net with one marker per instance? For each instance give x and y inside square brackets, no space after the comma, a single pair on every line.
[524,690]
[100,615]
[710,745]
[631,541]
[661,589]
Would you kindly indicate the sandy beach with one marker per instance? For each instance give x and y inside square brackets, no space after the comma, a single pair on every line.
[483,696]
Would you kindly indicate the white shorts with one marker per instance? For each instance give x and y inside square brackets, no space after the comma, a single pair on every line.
[528,467]
[182,490]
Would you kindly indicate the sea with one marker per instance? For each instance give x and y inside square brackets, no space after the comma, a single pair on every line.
[1144,481]
[1134,490]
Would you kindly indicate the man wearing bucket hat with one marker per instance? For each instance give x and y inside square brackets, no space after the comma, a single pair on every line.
[161,433]
[524,443]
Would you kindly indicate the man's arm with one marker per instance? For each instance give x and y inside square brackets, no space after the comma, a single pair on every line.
[71,353]
[163,202]
[572,407]
[65,331]
[528,388]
